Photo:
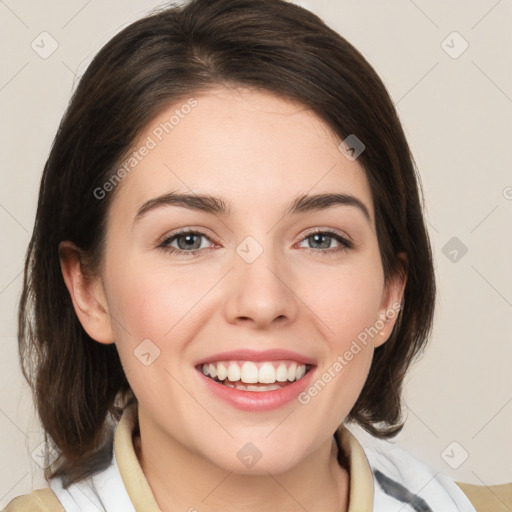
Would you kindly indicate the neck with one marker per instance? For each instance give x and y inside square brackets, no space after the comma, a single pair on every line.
[184,480]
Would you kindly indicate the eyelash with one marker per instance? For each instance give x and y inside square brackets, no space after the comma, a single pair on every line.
[346,244]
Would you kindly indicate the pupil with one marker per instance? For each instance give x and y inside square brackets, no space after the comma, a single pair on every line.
[317,239]
[189,241]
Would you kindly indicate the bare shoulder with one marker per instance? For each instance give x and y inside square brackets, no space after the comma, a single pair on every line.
[40,500]
[493,498]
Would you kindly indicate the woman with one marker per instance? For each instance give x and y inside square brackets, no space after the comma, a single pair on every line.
[230,258]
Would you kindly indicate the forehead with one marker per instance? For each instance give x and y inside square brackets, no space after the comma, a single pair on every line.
[251,147]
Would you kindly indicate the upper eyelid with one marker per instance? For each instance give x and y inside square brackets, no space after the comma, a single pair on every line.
[186,231]
[332,231]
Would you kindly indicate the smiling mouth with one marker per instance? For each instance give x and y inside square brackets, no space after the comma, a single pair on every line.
[255,376]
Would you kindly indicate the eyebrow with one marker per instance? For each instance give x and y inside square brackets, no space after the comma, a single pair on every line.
[217,205]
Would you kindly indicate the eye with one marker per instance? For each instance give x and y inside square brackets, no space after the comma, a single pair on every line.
[188,242]
[323,239]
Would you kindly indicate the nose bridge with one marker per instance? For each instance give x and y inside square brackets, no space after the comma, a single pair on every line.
[260,288]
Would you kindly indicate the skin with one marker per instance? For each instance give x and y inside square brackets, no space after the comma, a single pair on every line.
[259,152]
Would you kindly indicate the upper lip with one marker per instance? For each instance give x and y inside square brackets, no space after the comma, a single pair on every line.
[258,355]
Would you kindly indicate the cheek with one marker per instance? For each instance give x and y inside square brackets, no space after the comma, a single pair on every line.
[347,300]
[153,318]
[153,303]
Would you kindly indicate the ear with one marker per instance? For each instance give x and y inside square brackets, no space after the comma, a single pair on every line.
[390,304]
[87,294]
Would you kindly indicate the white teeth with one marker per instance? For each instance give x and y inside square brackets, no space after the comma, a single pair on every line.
[233,372]
[267,374]
[292,372]
[250,373]
[222,371]
[252,388]
[282,373]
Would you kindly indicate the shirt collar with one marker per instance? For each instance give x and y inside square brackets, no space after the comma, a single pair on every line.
[139,491]
[361,476]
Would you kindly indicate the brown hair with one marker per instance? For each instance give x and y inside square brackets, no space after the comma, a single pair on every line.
[271,45]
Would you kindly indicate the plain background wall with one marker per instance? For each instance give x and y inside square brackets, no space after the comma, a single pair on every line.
[456,107]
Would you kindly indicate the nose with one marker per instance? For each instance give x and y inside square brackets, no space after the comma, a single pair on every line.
[261,292]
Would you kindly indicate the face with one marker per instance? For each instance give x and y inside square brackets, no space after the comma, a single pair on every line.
[267,283]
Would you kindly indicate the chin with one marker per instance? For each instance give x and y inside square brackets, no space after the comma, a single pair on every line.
[248,459]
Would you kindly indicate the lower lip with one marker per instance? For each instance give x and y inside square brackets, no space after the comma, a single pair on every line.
[258,400]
